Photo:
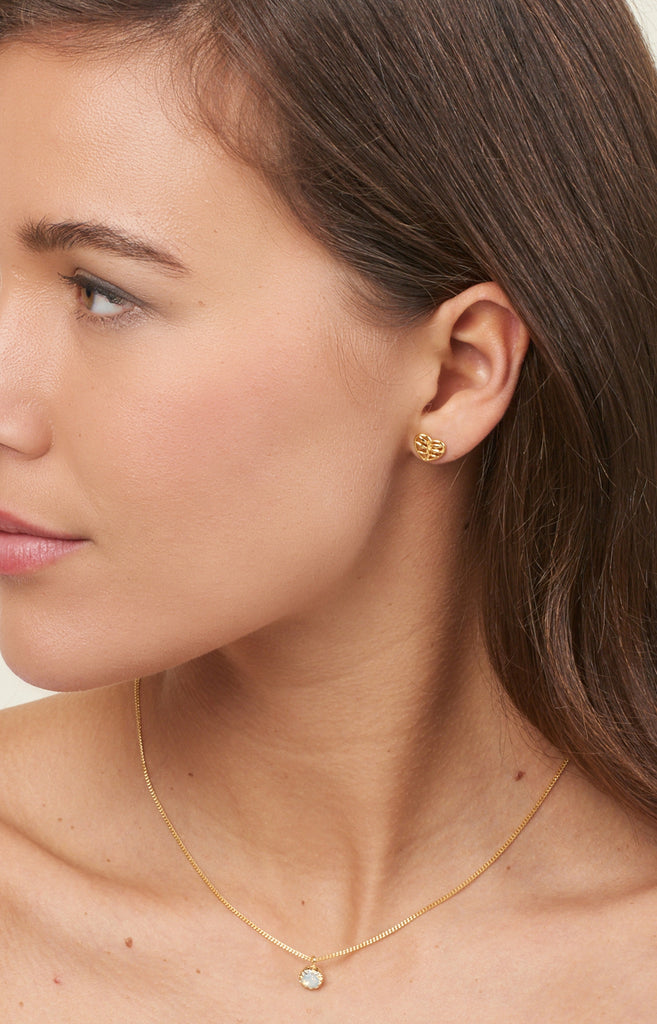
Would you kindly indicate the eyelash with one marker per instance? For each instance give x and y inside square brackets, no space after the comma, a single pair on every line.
[86,282]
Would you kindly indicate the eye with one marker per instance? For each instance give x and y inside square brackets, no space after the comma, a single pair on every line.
[102,303]
[101,300]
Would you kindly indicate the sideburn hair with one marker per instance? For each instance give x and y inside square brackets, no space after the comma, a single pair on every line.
[434,145]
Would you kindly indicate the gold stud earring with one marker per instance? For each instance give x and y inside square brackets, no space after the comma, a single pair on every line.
[427,449]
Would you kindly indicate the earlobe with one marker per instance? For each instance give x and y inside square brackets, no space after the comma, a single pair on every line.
[428,449]
[479,345]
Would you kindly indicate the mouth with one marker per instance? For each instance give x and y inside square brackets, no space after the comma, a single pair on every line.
[26,547]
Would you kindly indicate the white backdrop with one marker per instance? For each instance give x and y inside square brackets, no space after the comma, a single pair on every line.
[14,690]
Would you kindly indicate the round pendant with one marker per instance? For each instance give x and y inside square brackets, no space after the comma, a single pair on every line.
[311,977]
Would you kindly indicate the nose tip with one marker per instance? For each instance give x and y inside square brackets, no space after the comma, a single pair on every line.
[24,428]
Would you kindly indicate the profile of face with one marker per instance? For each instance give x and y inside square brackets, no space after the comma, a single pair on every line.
[184,387]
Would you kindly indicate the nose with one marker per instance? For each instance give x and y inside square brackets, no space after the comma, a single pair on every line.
[25,427]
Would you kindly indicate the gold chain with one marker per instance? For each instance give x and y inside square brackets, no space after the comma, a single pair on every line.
[314,977]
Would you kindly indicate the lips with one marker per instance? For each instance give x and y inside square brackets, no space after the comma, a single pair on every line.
[12,524]
[26,548]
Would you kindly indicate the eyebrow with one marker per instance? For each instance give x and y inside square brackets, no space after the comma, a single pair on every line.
[43,236]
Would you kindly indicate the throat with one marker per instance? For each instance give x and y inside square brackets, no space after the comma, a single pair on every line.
[312,974]
[332,833]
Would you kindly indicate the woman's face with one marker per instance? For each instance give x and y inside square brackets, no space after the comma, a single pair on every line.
[182,387]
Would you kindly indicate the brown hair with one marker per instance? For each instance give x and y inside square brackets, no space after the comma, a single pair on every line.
[434,144]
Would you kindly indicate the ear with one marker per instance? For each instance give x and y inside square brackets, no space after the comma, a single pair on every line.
[475,344]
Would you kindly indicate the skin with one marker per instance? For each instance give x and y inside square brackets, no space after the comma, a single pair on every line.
[263,547]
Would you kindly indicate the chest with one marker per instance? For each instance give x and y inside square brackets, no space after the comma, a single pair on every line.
[117,963]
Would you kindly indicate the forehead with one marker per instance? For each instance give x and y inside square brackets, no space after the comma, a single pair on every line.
[103,139]
[98,115]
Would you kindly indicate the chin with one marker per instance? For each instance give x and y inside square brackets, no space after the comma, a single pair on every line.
[57,666]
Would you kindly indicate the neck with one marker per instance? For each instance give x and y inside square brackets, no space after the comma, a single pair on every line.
[335,753]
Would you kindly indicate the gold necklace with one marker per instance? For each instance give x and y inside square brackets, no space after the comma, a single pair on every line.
[311,977]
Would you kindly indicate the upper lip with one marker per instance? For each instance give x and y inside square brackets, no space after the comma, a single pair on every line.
[12,524]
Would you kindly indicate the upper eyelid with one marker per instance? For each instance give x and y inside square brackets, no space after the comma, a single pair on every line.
[137,311]
[82,278]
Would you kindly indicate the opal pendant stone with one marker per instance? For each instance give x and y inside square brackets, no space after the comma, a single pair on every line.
[311,977]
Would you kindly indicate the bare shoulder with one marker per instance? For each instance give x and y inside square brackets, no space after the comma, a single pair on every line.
[67,812]
[63,765]
[52,751]
[594,888]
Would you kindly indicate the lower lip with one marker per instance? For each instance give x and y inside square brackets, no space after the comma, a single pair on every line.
[21,553]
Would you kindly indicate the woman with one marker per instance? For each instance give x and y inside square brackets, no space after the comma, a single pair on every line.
[328,338]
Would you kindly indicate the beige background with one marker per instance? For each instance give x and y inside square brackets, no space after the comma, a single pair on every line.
[14,690]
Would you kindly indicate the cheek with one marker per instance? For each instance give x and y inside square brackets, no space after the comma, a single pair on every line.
[261,458]
[233,439]
[224,497]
